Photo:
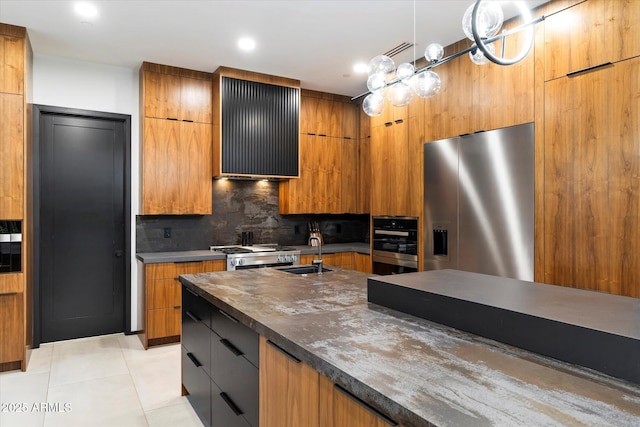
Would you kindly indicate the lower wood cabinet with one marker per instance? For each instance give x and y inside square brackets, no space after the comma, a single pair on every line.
[293,394]
[289,389]
[163,301]
[348,260]
[12,346]
[219,364]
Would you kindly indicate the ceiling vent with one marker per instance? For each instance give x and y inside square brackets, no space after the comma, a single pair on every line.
[398,49]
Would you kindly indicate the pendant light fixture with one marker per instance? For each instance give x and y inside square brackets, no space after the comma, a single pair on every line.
[481,23]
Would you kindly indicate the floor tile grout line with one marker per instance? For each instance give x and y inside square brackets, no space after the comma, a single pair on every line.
[135,387]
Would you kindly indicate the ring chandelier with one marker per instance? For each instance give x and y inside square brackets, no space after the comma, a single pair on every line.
[481,23]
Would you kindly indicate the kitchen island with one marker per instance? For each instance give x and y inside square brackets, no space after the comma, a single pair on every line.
[413,371]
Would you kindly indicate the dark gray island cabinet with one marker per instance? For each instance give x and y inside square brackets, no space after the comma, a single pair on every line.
[219,364]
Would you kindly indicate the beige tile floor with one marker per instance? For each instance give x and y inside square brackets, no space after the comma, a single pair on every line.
[100,381]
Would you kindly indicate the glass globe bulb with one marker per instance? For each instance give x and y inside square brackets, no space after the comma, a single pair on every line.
[434,52]
[404,71]
[490,19]
[376,82]
[477,56]
[400,94]
[426,84]
[373,104]
[381,64]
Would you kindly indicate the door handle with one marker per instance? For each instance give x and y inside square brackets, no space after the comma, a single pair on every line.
[119,253]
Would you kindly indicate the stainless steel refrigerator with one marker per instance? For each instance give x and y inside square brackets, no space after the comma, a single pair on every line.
[478,195]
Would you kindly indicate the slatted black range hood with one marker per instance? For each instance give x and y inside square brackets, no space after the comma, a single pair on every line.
[256,126]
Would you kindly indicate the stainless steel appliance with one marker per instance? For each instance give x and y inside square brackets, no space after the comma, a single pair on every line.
[395,244]
[258,256]
[478,195]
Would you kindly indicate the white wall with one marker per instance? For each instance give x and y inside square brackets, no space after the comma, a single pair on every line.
[90,86]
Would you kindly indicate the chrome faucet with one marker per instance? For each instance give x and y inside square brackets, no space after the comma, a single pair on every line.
[317,262]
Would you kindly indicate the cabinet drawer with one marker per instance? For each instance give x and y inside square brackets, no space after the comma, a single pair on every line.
[224,411]
[163,322]
[196,338]
[198,386]
[171,270]
[239,335]
[163,293]
[196,308]
[236,376]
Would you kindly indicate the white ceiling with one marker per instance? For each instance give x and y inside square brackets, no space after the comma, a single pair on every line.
[316,42]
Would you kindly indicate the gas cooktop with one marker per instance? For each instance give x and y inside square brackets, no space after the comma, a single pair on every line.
[232,250]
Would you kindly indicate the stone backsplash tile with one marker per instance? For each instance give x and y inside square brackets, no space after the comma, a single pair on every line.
[244,206]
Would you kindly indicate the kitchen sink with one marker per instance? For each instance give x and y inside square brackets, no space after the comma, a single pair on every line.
[304,269]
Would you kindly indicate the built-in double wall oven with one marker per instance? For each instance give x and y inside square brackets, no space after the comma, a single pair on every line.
[395,244]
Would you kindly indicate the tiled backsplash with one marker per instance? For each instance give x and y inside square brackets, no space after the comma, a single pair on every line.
[244,206]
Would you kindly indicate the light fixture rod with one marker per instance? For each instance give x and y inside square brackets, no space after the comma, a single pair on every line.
[502,36]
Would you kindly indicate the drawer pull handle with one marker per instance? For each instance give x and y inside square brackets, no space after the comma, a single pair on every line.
[586,70]
[188,121]
[172,118]
[231,404]
[194,360]
[191,292]
[228,316]
[225,342]
[193,316]
[365,405]
[177,307]
[5,294]
[399,121]
[283,351]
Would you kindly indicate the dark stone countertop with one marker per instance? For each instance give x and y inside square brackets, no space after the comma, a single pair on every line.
[417,372]
[204,255]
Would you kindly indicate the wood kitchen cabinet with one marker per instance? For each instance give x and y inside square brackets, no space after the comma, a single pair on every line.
[176,146]
[294,394]
[11,156]
[348,260]
[176,171]
[12,339]
[589,34]
[289,389]
[13,48]
[162,303]
[329,158]
[592,190]
[16,143]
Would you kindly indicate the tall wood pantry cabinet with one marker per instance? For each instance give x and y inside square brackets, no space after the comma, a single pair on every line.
[15,149]
[176,140]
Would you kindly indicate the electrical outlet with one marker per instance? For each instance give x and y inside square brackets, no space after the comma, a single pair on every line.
[167,233]
[296,229]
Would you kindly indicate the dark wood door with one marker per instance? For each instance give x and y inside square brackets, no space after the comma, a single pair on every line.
[82,220]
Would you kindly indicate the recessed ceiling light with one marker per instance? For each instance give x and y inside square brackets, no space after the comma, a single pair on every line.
[360,67]
[246,43]
[86,10]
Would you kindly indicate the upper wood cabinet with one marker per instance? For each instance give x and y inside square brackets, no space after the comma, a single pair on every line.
[12,60]
[173,93]
[176,141]
[590,34]
[176,168]
[11,156]
[326,114]
[396,168]
[329,158]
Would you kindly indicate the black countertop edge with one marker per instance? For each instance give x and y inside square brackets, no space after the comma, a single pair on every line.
[206,255]
[377,400]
